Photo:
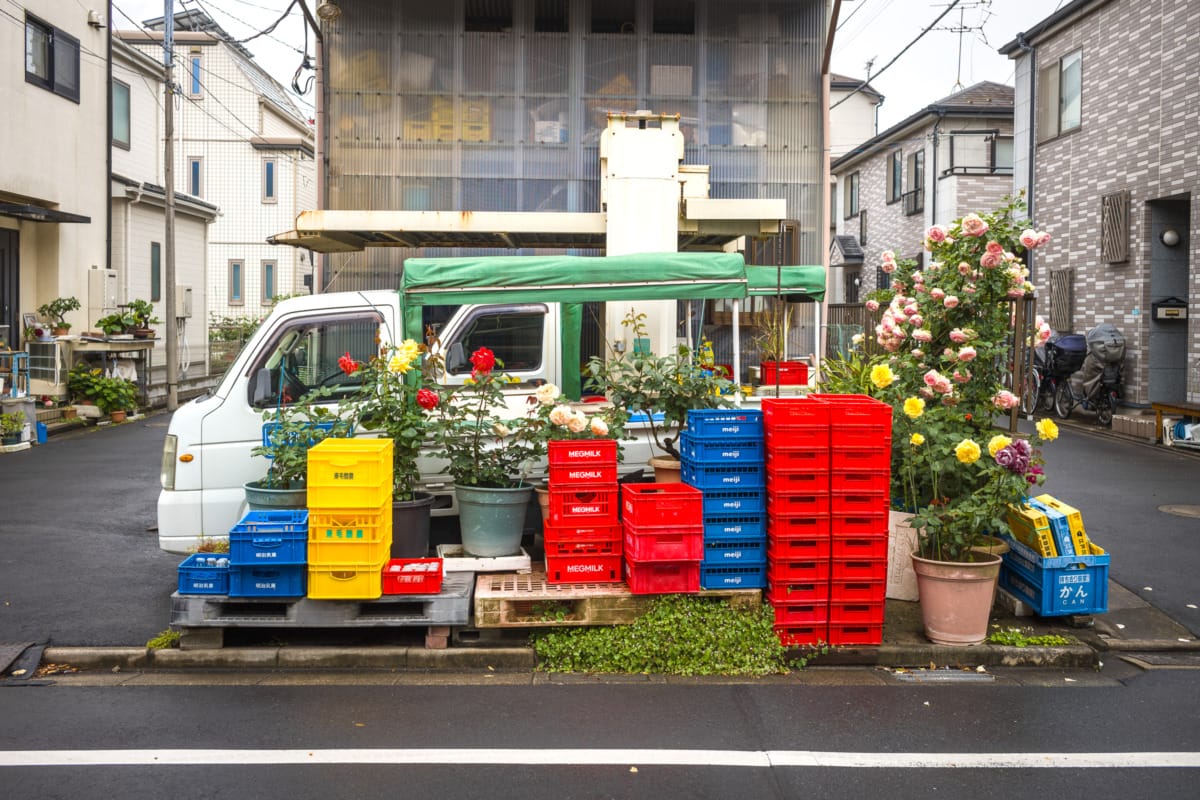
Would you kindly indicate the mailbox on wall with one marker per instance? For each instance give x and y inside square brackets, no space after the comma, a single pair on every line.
[1171,308]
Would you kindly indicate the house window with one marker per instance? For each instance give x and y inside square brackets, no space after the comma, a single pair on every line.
[914,195]
[895,176]
[1002,155]
[1062,299]
[51,59]
[675,16]
[268,181]
[976,153]
[155,272]
[195,67]
[862,227]
[236,277]
[268,281]
[850,202]
[883,280]
[120,115]
[1059,93]
[195,175]
[1114,227]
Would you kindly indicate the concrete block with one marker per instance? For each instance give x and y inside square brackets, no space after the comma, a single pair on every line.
[436,642]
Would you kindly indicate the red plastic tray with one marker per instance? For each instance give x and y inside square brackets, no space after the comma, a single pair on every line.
[860,458]
[802,614]
[572,475]
[786,457]
[855,634]
[843,503]
[856,613]
[412,576]
[857,591]
[792,570]
[800,635]
[812,526]
[860,548]
[663,577]
[845,569]
[581,533]
[873,524]
[782,593]
[871,480]
[798,505]
[800,549]
[664,544]
[794,411]
[796,481]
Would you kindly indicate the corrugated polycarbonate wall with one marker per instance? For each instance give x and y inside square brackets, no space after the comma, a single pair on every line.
[442,106]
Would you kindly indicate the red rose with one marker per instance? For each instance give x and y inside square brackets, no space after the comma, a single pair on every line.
[348,364]
[427,399]
[484,360]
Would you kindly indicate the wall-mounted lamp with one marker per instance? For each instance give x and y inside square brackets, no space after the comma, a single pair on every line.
[95,19]
[328,10]
[1169,237]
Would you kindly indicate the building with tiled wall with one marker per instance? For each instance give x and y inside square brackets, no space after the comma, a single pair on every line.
[948,159]
[1108,145]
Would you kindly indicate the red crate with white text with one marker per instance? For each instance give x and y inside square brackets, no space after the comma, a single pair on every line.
[584,505]
[590,568]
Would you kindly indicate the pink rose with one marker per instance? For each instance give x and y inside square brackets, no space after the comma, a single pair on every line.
[957,336]
[936,234]
[1016,291]
[962,377]
[1005,400]
[991,260]
[937,294]
[972,225]
[943,386]
[922,335]
[888,255]
[917,320]
[966,353]
[949,400]
[918,353]
[1029,238]
[918,277]
[872,305]
[931,377]
[888,266]
[969,289]
[995,248]
[964,268]
[950,302]
[1043,238]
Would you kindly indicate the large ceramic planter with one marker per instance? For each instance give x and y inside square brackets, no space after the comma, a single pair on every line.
[956,598]
[410,526]
[492,521]
[667,470]
[261,497]
[543,498]
[902,541]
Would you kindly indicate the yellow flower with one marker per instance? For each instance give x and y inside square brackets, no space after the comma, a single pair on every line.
[1047,429]
[405,356]
[998,443]
[914,407]
[881,376]
[916,440]
[967,451]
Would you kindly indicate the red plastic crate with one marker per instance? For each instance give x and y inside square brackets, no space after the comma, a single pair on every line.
[590,506]
[857,591]
[664,544]
[812,526]
[662,577]
[805,410]
[785,373]
[858,459]
[583,451]
[581,533]
[802,614]
[795,570]
[846,569]
[857,436]
[872,480]
[586,547]
[800,635]
[856,613]
[874,524]
[796,481]
[583,475]
[855,634]
[842,503]
[786,593]
[798,437]
[797,505]
[860,548]
[800,549]
[855,409]
[592,568]
[787,457]
[656,504]
[412,576]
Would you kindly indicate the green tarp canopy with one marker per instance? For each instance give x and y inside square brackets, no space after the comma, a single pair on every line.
[808,281]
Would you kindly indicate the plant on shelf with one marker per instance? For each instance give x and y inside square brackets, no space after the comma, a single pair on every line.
[290,430]
[57,309]
[644,383]
[11,425]
[773,333]
[559,421]
[37,333]
[142,314]
[115,323]
[114,394]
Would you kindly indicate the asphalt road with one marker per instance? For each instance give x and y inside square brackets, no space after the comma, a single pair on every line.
[80,565]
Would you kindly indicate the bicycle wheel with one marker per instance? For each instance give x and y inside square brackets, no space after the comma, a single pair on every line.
[1104,409]
[1046,394]
[1063,401]
[1029,396]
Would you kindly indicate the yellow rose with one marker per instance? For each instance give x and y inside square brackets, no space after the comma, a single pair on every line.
[998,443]
[1047,429]
[914,407]
[967,451]
[881,376]
[916,440]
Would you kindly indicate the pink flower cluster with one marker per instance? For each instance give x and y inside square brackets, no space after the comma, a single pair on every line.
[1005,400]
[1031,239]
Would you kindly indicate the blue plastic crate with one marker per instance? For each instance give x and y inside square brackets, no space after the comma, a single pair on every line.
[1060,528]
[261,580]
[1056,586]
[247,549]
[746,576]
[735,526]
[723,451]
[278,521]
[733,501]
[724,423]
[731,552]
[196,577]
[726,476]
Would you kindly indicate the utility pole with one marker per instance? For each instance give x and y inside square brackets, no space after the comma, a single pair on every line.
[172,343]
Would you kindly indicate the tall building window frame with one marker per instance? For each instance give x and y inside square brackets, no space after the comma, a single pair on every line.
[895,176]
[270,180]
[268,274]
[195,176]
[195,68]
[120,97]
[850,196]
[1060,96]
[237,282]
[51,58]
[155,272]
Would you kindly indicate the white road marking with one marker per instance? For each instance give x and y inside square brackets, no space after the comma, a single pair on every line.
[592,757]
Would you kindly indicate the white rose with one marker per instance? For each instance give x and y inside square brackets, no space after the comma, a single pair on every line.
[559,415]
[599,427]
[500,429]
[577,423]
[547,393]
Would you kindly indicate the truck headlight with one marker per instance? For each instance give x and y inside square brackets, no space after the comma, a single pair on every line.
[166,473]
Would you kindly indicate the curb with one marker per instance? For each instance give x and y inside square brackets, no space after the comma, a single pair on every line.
[393,658]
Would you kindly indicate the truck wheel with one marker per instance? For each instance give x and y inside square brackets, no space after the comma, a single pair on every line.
[1063,402]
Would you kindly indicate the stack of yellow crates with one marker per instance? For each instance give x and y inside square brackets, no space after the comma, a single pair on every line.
[1050,527]
[349,518]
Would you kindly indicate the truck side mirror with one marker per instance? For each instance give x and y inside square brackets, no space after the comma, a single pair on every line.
[456,360]
[261,390]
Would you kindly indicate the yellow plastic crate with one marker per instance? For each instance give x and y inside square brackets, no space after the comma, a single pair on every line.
[1030,527]
[350,473]
[346,581]
[349,536]
[1079,537]
[418,130]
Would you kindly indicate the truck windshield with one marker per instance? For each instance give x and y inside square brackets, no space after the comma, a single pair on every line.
[303,355]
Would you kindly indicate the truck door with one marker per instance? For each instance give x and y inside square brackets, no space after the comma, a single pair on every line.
[522,337]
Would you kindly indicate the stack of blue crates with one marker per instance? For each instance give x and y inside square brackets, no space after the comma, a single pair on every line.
[724,457]
[268,554]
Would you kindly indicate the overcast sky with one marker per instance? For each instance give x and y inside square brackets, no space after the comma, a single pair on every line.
[875,30]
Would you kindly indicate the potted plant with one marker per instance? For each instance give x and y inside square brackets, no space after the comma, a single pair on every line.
[946,332]
[38,333]
[116,323]
[141,312]
[772,348]
[288,432]
[661,388]
[393,398]
[489,458]
[12,424]
[114,396]
[56,310]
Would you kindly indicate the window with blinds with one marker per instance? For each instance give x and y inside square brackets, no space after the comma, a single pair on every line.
[1114,227]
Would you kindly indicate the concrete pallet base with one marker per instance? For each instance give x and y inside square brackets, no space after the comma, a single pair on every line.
[528,601]
[455,559]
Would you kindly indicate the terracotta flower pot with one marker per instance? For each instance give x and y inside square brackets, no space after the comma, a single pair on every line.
[667,470]
[956,598]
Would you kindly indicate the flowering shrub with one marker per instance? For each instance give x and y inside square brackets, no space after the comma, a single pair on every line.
[559,421]
[946,332]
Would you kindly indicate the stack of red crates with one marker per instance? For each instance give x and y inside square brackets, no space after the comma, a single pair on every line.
[664,537]
[583,533]
[860,443]
[798,517]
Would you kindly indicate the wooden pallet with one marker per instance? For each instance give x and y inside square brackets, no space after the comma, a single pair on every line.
[508,600]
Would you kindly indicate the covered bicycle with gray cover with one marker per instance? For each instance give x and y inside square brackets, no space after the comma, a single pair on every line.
[1097,384]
